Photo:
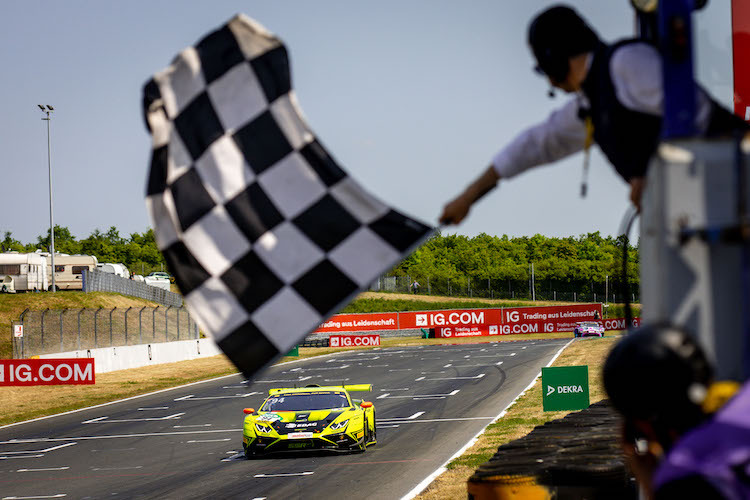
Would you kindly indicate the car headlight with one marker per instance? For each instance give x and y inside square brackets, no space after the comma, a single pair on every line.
[338,425]
[263,428]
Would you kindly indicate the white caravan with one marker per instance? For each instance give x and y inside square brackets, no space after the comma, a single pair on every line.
[68,269]
[27,270]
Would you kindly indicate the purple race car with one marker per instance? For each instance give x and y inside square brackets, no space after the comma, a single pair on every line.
[588,329]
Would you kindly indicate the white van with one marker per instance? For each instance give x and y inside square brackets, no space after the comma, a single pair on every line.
[28,270]
[116,269]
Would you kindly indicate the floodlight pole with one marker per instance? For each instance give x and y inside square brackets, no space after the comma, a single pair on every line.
[47,111]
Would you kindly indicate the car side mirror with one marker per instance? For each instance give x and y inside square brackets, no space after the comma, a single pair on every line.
[366,404]
[248,411]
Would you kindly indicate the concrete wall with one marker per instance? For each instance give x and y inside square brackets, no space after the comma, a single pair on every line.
[108,359]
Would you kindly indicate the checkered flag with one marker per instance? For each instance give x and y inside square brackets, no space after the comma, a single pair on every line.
[265,233]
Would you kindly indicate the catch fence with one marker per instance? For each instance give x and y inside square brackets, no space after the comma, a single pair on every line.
[61,330]
[487,288]
[99,281]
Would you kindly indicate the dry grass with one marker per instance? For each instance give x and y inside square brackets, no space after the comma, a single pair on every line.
[24,403]
[525,414]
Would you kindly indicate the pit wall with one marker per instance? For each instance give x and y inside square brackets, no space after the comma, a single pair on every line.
[109,359]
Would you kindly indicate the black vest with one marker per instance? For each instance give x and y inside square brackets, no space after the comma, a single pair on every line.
[629,138]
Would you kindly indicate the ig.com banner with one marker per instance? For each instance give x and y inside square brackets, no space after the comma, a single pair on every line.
[354,340]
[75,371]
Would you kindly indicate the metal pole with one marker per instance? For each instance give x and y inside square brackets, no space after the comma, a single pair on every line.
[166,323]
[48,110]
[79,327]
[153,323]
[96,332]
[126,324]
[111,342]
[43,313]
[178,323]
[61,329]
[140,326]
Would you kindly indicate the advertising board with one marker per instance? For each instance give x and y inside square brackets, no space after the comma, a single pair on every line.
[359,323]
[354,340]
[565,388]
[59,371]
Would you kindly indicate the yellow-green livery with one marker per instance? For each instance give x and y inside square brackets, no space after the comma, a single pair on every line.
[310,418]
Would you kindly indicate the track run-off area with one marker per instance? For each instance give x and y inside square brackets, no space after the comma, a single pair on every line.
[186,442]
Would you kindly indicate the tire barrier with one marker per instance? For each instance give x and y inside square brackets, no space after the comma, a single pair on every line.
[578,456]
[315,343]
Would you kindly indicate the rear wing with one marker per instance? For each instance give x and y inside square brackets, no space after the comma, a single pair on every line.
[348,388]
[358,388]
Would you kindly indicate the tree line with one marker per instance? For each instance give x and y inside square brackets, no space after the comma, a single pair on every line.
[138,251]
[452,264]
[585,264]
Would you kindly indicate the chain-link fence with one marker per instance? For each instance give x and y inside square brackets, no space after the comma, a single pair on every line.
[507,289]
[99,281]
[61,330]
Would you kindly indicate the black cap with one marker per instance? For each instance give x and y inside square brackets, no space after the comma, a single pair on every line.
[658,373]
[555,35]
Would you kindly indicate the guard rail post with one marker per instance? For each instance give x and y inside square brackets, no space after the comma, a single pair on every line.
[178,323]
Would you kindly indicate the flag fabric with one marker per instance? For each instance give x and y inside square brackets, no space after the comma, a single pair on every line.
[265,233]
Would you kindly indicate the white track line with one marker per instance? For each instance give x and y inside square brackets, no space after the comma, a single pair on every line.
[59,495]
[45,469]
[285,474]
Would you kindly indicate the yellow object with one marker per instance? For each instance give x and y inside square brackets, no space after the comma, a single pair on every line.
[508,488]
[718,394]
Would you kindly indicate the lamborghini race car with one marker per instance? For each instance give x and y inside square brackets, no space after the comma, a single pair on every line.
[310,418]
[588,329]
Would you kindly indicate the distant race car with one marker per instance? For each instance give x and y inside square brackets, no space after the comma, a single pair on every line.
[310,418]
[588,329]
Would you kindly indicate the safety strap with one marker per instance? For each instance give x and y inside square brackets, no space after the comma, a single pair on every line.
[589,124]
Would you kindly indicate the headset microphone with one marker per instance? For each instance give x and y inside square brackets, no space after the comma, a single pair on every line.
[551,93]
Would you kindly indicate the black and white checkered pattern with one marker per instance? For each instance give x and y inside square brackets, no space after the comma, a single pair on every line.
[265,234]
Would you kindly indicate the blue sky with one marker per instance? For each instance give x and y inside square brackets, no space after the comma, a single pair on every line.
[413,98]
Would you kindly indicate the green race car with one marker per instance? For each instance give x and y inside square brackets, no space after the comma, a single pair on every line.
[310,418]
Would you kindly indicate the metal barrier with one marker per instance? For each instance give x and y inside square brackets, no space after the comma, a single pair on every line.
[99,281]
[60,330]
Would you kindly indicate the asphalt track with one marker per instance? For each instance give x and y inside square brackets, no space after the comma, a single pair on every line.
[186,442]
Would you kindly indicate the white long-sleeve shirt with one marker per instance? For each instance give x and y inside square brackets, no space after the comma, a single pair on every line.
[637,78]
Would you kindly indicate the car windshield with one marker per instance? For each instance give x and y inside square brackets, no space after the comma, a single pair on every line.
[589,324]
[305,401]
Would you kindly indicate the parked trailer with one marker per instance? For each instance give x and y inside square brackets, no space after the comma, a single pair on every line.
[68,269]
[27,270]
[118,269]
